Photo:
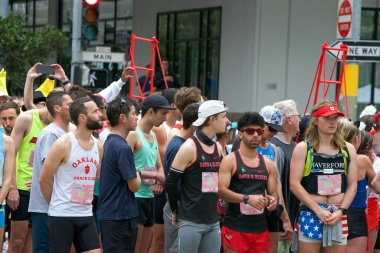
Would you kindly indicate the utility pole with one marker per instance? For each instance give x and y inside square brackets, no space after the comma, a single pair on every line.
[76,51]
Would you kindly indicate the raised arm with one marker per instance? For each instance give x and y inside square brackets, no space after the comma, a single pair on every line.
[60,75]
[28,88]
[113,90]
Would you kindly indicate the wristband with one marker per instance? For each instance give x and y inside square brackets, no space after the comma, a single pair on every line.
[66,82]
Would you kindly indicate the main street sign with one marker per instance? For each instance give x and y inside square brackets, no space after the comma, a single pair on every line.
[103,57]
[360,50]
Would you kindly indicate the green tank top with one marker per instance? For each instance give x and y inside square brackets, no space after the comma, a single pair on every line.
[145,159]
[25,154]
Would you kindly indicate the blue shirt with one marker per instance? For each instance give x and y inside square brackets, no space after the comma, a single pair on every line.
[171,152]
[116,201]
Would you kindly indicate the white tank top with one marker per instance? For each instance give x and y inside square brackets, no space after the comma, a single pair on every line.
[73,186]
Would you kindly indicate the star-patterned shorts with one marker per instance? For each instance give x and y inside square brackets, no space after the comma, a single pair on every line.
[310,227]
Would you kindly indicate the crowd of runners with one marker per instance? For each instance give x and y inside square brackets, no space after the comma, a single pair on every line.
[98,172]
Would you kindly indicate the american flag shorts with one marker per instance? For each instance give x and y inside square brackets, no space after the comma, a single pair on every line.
[312,227]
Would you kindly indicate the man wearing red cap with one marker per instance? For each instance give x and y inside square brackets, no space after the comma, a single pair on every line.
[323,177]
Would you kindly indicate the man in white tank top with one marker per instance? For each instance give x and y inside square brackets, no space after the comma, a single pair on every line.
[73,160]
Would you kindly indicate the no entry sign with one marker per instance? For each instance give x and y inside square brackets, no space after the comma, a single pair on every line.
[344,19]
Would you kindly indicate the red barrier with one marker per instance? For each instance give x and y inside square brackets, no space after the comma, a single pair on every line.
[320,75]
[149,70]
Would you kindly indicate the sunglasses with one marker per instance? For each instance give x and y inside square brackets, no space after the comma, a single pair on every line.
[252,131]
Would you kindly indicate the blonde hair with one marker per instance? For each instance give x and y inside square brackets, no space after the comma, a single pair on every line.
[349,130]
[312,129]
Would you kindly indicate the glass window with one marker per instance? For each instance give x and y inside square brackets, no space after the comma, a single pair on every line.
[30,16]
[42,11]
[19,8]
[67,11]
[191,40]
[367,25]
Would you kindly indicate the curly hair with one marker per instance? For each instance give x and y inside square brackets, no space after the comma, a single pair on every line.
[365,144]
[186,96]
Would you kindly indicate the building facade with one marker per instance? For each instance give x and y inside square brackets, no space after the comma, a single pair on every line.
[249,53]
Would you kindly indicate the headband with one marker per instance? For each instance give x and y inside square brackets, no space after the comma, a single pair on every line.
[327,111]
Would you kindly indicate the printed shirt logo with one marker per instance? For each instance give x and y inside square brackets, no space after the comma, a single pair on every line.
[87,169]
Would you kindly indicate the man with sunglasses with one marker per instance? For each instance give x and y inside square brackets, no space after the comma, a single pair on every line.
[196,165]
[247,180]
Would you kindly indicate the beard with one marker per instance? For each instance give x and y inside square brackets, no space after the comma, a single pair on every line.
[8,130]
[94,124]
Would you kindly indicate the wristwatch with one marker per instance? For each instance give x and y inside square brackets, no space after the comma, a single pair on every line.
[344,210]
[245,199]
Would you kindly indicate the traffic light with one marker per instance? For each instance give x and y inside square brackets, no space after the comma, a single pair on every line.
[90,19]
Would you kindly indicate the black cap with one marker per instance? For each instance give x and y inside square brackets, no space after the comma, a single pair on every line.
[38,97]
[156,101]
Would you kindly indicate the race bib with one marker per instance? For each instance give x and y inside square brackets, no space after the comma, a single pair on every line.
[247,209]
[82,194]
[329,184]
[31,158]
[149,181]
[209,182]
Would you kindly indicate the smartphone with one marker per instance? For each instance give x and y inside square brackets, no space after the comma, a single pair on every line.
[45,69]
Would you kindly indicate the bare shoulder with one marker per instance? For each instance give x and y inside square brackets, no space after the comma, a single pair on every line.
[132,137]
[159,131]
[268,162]
[301,148]
[100,145]
[351,148]
[24,119]
[363,159]
[189,146]
[229,159]
[63,142]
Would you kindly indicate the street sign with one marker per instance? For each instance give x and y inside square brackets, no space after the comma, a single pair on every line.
[344,19]
[103,57]
[361,50]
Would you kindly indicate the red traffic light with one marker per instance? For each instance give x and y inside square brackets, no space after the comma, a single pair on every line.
[92,2]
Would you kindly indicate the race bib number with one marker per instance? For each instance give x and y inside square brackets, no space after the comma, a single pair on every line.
[31,158]
[82,194]
[247,209]
[149,181]
[329,184]
[209,182]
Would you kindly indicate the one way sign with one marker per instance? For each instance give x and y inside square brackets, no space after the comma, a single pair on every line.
[360,50]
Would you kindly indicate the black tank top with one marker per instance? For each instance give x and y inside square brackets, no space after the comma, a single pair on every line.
[325,174]
[250,181]
[199,187]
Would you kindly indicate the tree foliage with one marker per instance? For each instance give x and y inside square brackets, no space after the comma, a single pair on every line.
[21,48]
